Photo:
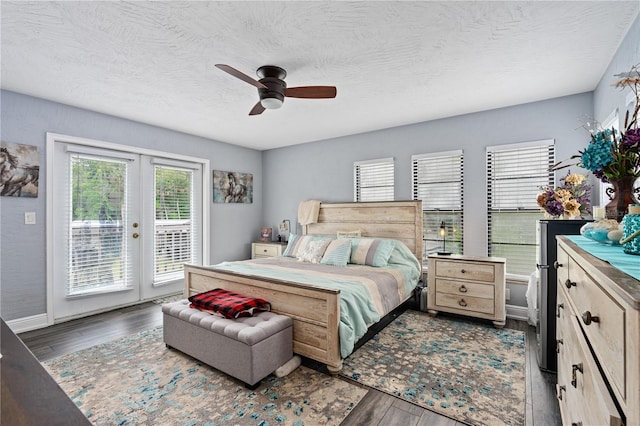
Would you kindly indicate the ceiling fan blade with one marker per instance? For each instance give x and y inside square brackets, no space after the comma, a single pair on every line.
[311,92]
[257,109]
[242,76]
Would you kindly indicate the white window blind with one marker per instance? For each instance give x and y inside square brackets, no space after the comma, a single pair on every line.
[373,180]
[437,180]
[98,258]
[174,224]
[515,175]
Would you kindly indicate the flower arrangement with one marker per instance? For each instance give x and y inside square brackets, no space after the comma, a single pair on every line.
[612,155]
[570,199]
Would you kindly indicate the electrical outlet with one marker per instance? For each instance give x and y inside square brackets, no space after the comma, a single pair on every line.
[507,294]
[29,218]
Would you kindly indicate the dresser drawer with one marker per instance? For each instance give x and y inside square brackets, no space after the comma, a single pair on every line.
[465,303]
[603,320]
[485,291]
[265,250]
[466,270]
[584,385]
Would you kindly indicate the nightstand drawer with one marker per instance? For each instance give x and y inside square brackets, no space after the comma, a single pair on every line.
[461,288]
[465,303]
[466,270]
[259,250]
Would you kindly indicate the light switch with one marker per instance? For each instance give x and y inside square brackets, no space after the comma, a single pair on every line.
[29,218]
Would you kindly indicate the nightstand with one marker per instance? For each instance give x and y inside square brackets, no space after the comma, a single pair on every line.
[268,249]
[468,285]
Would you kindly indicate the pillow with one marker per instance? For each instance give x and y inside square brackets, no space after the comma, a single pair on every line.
[293,245]
[338,253]
[313,251]
[349,234]
[371,251]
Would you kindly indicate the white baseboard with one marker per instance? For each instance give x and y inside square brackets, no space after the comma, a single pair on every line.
[34,322]
[517,312]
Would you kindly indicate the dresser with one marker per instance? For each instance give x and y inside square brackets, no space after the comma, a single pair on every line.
[268,249]
[467,285]
[598,329]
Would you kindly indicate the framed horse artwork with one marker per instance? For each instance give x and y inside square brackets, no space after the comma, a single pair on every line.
[19,170]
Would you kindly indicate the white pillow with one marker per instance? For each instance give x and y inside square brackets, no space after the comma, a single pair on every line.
[313,251]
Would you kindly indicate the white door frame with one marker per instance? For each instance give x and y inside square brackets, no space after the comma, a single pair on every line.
[53,138]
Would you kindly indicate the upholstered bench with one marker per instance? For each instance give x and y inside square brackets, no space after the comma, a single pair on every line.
[248,348]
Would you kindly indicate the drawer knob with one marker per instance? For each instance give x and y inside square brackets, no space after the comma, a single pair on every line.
[264,250]
[576,423]
[560,306]
[587,318]
[557,264]
[575,368]
[568,283]
[462,271]
[462,303]
[558,343]
[463,289]
[560,390]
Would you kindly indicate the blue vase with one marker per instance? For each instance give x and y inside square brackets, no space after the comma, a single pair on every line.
[630,230]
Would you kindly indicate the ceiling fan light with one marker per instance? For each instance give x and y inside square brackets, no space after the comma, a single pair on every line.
[271,103]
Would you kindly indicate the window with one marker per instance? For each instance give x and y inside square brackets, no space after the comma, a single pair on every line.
[515,175]
[373,180]
[437,180]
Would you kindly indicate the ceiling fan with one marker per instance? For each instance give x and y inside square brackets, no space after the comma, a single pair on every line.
[272,89]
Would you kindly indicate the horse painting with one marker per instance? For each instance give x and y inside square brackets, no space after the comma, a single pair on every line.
[18,176]
[232,187]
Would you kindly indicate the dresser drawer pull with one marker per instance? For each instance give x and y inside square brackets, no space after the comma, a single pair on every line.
[587,318]
[568,283]
[558,343]
[462,271]
[462,303]
[560,390]
[557,264]
[560,306]
[576,423]
[463,289]
[574,376]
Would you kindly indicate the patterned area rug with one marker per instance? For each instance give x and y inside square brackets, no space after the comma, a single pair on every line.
[470,372]
[137,381]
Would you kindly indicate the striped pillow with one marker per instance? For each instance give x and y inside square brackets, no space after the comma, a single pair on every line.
[338,253]
[371,251]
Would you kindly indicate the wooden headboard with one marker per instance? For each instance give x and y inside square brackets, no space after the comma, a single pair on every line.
[400,220]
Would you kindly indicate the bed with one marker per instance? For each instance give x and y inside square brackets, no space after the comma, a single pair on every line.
[315,310]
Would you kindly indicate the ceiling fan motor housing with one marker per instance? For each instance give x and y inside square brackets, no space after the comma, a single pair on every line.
[272,77]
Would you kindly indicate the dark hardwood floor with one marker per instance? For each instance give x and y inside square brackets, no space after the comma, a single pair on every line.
[376,408]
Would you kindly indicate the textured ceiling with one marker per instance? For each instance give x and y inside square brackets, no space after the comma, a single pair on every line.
[393,63]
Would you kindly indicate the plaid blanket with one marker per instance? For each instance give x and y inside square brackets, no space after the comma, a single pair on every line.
[228,304]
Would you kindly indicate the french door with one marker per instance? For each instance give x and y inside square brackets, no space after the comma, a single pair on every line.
[123,226]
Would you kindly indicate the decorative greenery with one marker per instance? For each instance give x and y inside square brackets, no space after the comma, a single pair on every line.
[571,199]
[612,155]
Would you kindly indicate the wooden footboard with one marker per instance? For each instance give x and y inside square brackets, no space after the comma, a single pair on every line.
[315,311]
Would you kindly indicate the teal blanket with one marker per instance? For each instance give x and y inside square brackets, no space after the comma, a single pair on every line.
[366,293]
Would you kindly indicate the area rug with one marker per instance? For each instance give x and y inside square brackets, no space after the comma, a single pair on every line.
[465,370]
[137,381]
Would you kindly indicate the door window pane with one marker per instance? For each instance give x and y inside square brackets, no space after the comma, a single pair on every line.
[98,252]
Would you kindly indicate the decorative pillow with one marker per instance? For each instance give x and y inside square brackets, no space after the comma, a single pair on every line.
[371,251]
[313,251]
[338,253]
[349,234]
[293,245]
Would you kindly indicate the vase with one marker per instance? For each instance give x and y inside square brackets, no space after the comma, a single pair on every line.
[631,230]
[621,195]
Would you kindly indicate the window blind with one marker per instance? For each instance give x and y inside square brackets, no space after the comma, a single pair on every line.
[98,259]
[174,224]
[438,180]
[515,175]
[373,180]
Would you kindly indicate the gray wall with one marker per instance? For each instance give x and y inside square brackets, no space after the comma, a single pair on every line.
[26,120]
[324,170]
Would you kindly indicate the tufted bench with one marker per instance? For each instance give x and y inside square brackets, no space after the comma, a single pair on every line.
[248,348]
